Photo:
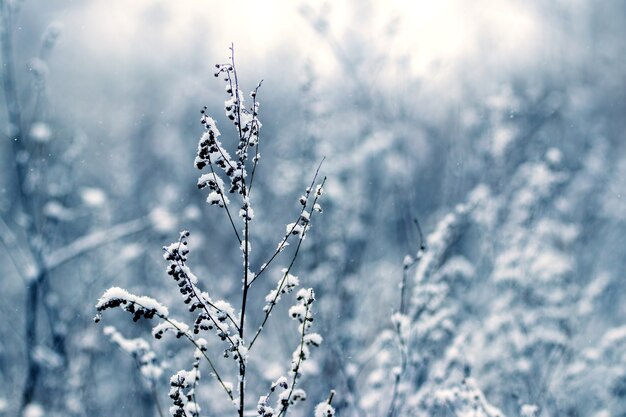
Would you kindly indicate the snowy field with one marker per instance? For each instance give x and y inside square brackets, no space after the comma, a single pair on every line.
[350,208]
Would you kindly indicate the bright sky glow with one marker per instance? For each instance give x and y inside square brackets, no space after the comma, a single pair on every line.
[426,31]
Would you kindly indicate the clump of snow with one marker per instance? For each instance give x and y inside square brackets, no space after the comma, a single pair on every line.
[224,309]
[192,212]
[33,410]
[162,220]
[40,132]
[55,210]
[285,285]
[529,410]
[130,252]
[131,346]
[140,350]
[324,410]
[466,400]
[216,199]
[118,294]
[178,327]
[93,197]
[402,323]
[297,312]
[47,357]
[502,138]
[554,156]
[294,229]
[314,339]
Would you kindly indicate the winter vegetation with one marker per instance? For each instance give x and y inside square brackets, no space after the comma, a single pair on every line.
[425,217]
[219,316]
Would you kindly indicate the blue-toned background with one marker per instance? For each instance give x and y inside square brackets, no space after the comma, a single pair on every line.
[499,125]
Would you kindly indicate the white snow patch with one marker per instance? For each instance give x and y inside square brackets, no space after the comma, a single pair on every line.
[93,197]
[40,132]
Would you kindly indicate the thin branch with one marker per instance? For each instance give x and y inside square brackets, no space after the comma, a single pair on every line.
[396,385]
[408,265]
[201,301]
[236,91]
[403,348]
[94,240]
[296,369]
[421,235]
[284,279]
[23,262]
[283,242]
[255,160]
[351,388]
[193,341]
[230,217]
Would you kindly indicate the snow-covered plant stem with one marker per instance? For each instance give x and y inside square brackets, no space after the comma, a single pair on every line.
[228,180]
[400,320]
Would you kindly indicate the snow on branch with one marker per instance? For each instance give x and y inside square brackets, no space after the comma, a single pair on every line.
[138,306]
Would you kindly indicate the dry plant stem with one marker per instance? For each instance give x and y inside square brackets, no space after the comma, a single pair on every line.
[406,268]
[232,222]
[403,348]
[94,240]
[245,192]
[21,260]
[193,390]
[398,377]
[330,397]
[203,302]
[282,282]
[191,339]
[283,242]
[394,397]
[296,370]
[255,160]
[17,136]
[244,299]
[195,294]
[405,277]
[246,246]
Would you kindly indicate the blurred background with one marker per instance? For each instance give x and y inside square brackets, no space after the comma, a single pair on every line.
[500,126]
